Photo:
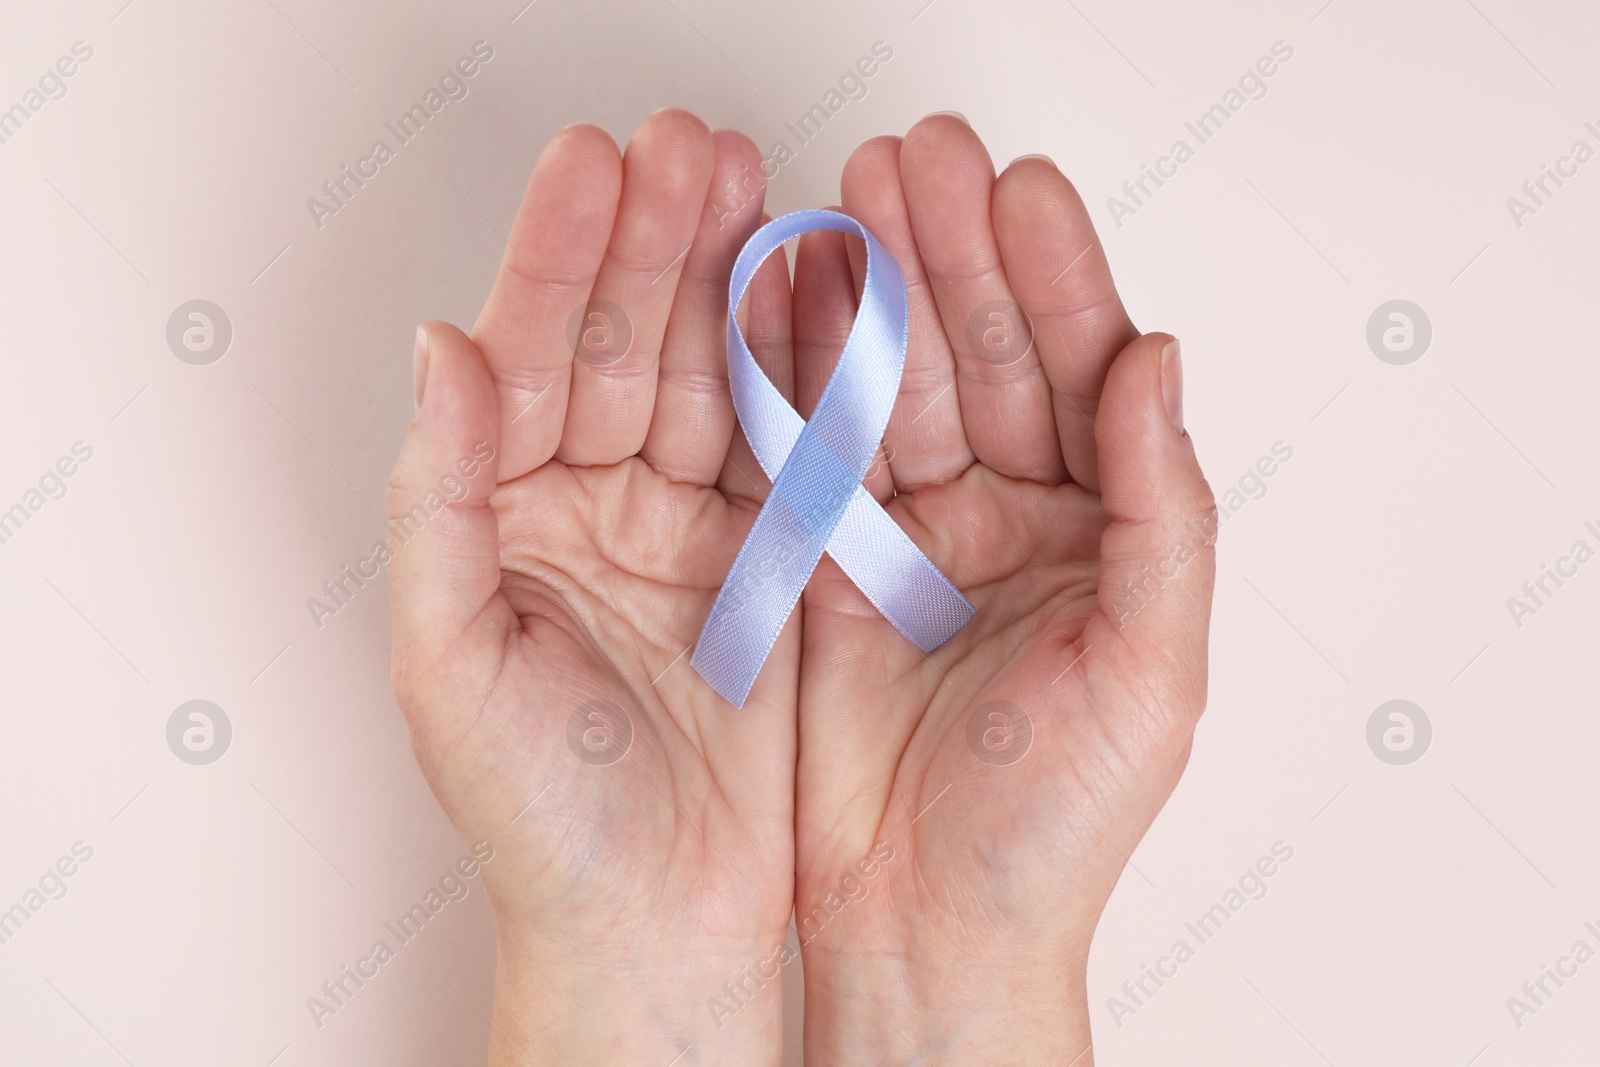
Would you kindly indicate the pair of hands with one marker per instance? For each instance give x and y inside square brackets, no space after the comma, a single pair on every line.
[945,829]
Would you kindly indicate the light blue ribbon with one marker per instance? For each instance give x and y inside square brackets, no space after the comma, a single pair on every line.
[817,501]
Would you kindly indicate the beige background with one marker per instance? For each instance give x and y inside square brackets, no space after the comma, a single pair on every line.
[1376,566]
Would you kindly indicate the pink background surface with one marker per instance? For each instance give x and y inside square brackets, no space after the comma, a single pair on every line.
[1376,565]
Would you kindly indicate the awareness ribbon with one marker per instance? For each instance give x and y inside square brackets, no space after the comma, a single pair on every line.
[817,501]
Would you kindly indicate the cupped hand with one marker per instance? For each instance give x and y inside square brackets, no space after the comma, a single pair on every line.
[962,817]
[568,499]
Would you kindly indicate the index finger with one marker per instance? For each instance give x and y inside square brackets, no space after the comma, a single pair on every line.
[554,253]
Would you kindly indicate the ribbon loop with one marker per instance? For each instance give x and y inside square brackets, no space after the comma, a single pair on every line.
[817,501]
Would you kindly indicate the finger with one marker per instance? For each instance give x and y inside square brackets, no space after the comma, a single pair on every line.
[1157,555]
[765,319]
[925,434]
[550,263]
[1058,270]
[443,539]
[824,311]
[693,419]
[1005,397]
[665,174]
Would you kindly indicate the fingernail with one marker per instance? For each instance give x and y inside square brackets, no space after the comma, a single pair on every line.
[1172,384]
[958,116]
[1036,155]
[419,364]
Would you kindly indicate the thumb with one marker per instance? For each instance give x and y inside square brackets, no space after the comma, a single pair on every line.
[443,539]
[1157,555]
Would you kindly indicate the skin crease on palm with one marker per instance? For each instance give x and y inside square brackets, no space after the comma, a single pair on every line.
[581,562]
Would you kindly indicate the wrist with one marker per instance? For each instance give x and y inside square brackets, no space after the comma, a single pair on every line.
[563,1001]
[905,1008]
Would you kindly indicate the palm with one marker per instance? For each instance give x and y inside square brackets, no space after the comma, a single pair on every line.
[1003,778]
[628,782]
